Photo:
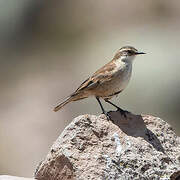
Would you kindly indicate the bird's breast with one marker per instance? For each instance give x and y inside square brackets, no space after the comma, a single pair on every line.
[122,77]
[118,82]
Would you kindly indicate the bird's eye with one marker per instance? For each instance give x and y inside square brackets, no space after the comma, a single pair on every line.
[129,51]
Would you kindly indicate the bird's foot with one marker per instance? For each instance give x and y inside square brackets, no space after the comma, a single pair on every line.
[123,112]
[107,115]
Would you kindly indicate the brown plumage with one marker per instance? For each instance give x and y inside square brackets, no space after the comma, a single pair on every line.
[89,85]
[108,81]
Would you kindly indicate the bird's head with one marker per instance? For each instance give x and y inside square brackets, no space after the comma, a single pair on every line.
[127,53]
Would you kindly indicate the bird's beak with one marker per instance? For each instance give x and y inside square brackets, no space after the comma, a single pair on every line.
[137,53]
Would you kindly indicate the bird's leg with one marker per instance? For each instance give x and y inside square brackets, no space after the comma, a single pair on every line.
[104,112]
[123,112]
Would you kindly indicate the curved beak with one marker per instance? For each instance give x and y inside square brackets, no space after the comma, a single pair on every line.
[137,53]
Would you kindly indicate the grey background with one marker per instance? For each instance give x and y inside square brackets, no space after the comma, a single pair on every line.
[48,48]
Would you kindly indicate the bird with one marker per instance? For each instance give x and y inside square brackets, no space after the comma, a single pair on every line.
[108,81]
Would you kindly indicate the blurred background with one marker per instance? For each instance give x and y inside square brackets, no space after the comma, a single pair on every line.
[47,48]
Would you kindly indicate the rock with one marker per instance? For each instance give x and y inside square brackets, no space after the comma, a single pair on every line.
[135,147]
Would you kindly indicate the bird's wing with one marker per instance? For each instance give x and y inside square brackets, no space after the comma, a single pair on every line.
[102,75]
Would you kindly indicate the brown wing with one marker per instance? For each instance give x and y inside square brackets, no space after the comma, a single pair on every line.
[100,76]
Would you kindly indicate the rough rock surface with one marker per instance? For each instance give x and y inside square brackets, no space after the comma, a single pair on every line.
[91,147]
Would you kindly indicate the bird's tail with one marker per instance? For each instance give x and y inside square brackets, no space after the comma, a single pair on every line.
[73,97]
[59,106]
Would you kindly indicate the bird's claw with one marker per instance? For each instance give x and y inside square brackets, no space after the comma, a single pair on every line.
[107,115]
[123,112]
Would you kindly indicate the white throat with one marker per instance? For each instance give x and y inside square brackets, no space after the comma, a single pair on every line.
[127,59]
[124,63]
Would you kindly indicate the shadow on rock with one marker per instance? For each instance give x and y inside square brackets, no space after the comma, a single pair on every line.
[133,125]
